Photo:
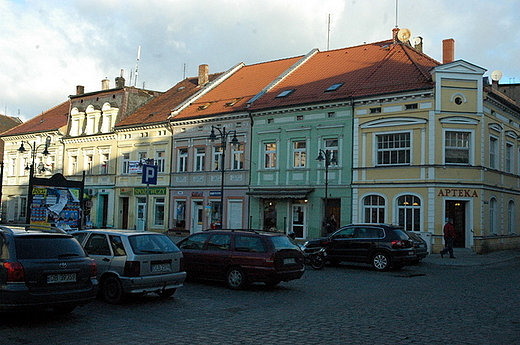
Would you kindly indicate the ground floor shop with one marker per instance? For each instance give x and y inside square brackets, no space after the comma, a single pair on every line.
[484,218]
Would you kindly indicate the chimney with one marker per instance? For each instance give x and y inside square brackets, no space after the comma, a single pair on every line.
[418,44]
[395,31]
[448,50]
[203,75]
[80,89]
[105,84]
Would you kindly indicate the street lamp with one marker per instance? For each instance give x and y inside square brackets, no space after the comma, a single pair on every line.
[34,150]
[223,134]
[329,158]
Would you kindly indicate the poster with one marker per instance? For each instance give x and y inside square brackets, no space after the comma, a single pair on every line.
[56,206]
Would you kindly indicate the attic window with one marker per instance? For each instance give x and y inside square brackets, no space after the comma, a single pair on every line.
[375,110]
[285,93]
[233,102]
[334,87]
[411,106]
[204,106]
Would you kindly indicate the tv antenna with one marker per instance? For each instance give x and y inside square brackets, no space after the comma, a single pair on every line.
[328,32]
[137,65]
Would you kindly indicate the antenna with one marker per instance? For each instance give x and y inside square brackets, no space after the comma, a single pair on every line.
[396,12]
[137,64]
[328,32]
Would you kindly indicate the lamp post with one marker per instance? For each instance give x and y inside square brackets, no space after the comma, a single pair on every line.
[223,134]
[34,150]
[329,158]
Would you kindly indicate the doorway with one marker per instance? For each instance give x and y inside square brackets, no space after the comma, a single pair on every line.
[456,209]
[299,220]
[141,214]
[124,202]
[103,200]
[197,216]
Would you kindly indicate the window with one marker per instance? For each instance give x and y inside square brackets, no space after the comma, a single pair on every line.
[409,212]
[270,155]
[493,146]
[219,242]
[375,110]
[374,209]
[126,163]
[200,155]
[160,161]
[89,163]
[411,106]
[393,148]
[331,145]
[217,157]
[182,164]
[158,214]
[105,157]
[285,93]
[180,214]
[249,244]
[12,167]
[511,217]
[237,152]
[493,220]
[509,158]
[299,154]
[456,146]
[334,87]
[73,165]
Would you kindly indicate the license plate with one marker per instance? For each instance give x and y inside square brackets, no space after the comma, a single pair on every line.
[289,261]
[161,268]
[61,278]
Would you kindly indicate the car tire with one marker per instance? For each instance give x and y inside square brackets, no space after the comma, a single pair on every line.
[111,290]
[167,293]
[236,279]
[381,261]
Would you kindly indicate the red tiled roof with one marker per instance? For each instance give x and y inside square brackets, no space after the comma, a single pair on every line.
[233,93]
[50,120]
[8,122]
[159,108]
[364,70]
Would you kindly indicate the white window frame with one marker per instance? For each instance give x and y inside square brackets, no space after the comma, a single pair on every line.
[160,160]
[237,154]
[182,159]
[470,148]
[200,159]
[373,207]
[158,203]
[332,145]
[125,163]
[493,152]
[270,155]
[299,154]
[394,153]
[509,157]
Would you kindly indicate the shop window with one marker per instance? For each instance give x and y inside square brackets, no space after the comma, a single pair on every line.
[374,209]
[409,212]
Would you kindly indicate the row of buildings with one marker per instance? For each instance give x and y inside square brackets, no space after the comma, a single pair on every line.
[378,132]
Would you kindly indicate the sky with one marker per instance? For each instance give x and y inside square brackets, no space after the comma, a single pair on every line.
[48,47]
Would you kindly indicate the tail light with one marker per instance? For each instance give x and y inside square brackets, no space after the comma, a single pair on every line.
[15,272]
[398,244]
[93,269]
[270,261]
[132,269]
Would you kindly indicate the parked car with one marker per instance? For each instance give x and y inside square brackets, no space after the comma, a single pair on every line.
[421,248]
[43,267]
[382,245]
[133,262]
[242,257]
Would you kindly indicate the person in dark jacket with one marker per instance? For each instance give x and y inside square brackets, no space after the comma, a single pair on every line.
[449,238]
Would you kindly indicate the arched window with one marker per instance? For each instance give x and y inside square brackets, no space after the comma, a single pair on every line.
[511,217]
[409,212]
[374,209]
[493,229]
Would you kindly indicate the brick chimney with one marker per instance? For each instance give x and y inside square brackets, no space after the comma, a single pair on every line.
[105,84]
[80,89]
[448,50]
[395,31]
[203,74]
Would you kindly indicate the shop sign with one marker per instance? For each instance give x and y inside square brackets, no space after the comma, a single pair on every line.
[126,191]
[215,193]
[197,194]
[458,193]
[151,191]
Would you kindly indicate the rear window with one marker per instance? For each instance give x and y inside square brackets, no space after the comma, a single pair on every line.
[401,234]
[46,247]
[146,244]
[282,242]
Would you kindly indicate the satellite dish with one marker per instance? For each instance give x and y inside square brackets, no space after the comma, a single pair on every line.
[496,75]
[417,40]
[404,35]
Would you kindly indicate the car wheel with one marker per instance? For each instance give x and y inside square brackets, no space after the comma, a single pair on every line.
[166,293]
[112,291]
[236,279]
[318,262]
[381,261]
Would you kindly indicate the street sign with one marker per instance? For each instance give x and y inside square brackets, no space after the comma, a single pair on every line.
[149,174]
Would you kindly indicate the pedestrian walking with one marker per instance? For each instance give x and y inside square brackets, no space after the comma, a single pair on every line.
[449,238]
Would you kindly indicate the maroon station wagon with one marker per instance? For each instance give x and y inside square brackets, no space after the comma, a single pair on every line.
[241,257]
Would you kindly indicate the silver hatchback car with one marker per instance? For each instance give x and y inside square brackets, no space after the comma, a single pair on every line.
[133,262]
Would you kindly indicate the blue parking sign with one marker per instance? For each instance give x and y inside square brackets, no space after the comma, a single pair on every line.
[149,174]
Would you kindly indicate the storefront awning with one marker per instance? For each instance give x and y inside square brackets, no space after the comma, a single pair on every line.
[280,193]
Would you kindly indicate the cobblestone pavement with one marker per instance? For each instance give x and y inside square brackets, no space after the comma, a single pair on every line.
[429,303]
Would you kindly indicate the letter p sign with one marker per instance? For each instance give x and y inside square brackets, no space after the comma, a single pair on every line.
[149,174]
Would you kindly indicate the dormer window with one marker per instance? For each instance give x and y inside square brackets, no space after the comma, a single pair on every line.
[285,93]
[233,102]
[334,87]
[204,106]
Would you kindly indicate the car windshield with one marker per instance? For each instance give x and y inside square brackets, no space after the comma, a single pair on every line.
[47,247]
[283,242]
[146,244]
